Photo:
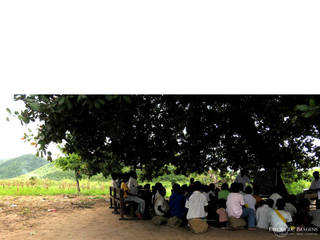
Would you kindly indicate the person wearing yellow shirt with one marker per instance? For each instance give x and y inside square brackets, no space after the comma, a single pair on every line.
[132,197]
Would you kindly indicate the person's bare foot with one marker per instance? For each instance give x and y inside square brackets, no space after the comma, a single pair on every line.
[252,229]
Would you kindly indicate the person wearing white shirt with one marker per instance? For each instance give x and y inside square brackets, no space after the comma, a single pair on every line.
[161,207]
[263,214]
[289,207]
[197,206]
[275,196]
[279,218]
[132,183]
[115,180]
[315,185]
[249,200]
[197,203]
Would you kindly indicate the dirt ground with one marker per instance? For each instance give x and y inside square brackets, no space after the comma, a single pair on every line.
[85,218]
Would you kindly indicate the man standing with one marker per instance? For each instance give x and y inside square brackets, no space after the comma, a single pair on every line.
[243,178]
[315,186]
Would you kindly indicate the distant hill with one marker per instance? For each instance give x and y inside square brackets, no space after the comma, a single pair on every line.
[3,160]
[50,171]
[14,167]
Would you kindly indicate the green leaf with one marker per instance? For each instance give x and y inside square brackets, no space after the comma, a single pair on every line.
[97,104]
[302,107]
[61,100]
[101,101]
[16,113]
[8,119]
[308,114]
[109,97]
[34,106]
[312,102]
[8,110]
[127,99]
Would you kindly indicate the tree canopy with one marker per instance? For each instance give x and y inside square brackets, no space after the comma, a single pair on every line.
[195,133]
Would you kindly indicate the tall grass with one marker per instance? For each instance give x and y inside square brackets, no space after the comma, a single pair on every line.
[52,187]
[36,187]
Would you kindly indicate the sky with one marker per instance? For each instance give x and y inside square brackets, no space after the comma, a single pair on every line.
[154,47]
[12,131]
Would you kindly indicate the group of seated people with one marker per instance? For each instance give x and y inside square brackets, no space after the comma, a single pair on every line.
[199,205]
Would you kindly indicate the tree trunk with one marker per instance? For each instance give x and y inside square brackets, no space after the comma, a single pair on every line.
[77,180]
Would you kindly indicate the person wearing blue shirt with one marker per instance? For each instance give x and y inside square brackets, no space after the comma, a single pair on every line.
[177,202]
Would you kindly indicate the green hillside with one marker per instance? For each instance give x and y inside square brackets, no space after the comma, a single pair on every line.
[14,167]
[50,171]
[3,160]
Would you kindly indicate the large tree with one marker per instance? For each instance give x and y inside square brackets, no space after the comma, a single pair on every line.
[193,132]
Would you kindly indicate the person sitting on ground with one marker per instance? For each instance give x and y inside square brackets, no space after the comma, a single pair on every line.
[191,182]
[155,190]
[216,191]
[235,209]
[263,214]
[241,188]
[212,194]
[303,218]
[275,196]
[146,195]
[128,196]
[280,220]
[185,190]
[161,208]
[205,191]
[212,206]
[221,211]
[224,192]
[197,210]
[249,200]
[256,195]
[243,178]
[290,205]
[177,203]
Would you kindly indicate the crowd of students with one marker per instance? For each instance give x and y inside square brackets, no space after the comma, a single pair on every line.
[198,206]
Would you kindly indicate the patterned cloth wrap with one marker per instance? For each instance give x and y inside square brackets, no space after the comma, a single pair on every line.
[198,225]
[159,220]
[237,222]
[174,222]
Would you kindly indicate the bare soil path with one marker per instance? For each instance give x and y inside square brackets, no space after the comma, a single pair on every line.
[71,218]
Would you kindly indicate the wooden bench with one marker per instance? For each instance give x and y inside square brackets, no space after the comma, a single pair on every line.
[118,204]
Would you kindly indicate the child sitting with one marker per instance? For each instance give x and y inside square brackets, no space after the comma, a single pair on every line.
[212,194]
[263,214]
[161,207]
[224,191]
[221,211]
[249,200]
